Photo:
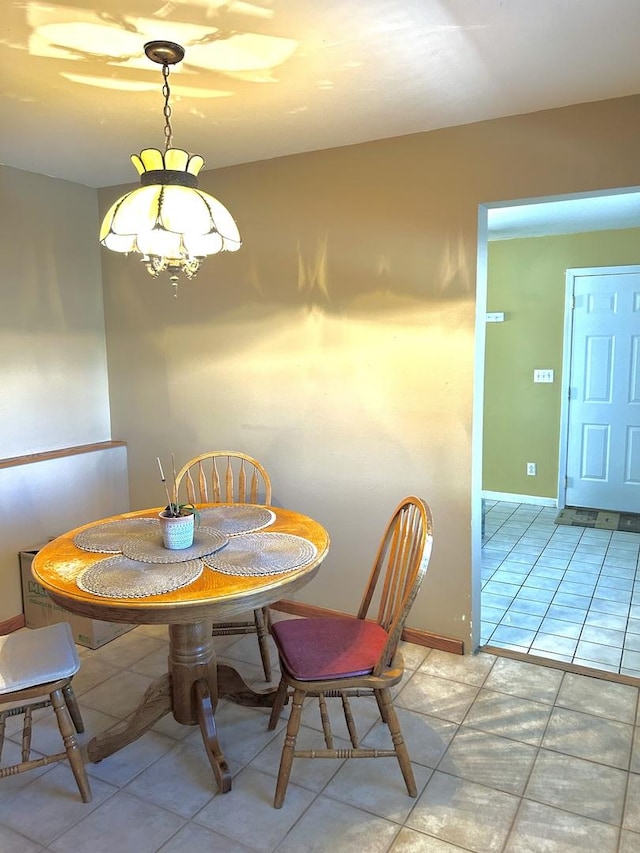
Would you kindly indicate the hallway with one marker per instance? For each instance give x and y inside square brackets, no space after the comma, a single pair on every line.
[566,593]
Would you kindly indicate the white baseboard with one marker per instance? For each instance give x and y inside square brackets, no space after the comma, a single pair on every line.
[519,499]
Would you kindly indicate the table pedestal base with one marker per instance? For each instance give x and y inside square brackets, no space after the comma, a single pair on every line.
[190,690]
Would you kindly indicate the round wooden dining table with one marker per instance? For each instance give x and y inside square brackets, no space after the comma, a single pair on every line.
[194,681]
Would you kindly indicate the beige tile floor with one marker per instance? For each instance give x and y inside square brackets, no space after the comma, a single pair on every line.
[567,593]
[508,756]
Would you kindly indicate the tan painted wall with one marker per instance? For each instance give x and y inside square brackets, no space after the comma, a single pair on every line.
[52,348]
[338,345]
[53,369]
[526,280]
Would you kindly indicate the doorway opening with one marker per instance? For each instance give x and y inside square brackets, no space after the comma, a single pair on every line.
[518,552]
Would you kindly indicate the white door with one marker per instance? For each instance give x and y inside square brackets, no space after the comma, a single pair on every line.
[603,425]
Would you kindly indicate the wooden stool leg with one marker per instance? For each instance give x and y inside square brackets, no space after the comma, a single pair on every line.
[263,641]
[388,713]
[71,745]
[286,760]
[74,708]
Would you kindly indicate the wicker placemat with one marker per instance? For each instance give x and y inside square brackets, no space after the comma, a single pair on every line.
[262,554]
[120,577]
[236,519]
[109,537]
[150,549]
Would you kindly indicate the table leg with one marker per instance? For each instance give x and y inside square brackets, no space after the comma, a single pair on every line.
[231,685]
[194,690]
[191,658]
[209,734]
[155,703]
[190,690]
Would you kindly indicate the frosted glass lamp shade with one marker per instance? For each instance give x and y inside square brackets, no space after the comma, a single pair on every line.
[168,220]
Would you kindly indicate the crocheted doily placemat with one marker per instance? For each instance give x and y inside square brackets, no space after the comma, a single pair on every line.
[236,519]
[108,538]
[150,549]
[262,554]
[120,577]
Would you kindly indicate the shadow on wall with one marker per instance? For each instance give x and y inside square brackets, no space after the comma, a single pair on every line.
[328,229]
[314,273]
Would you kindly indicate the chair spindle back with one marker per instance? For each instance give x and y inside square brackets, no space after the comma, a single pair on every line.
[223,476]
[398,571]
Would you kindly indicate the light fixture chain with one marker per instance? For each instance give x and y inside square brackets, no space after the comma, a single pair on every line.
[166,91]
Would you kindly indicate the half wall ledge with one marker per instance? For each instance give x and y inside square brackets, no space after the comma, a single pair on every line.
[30,458]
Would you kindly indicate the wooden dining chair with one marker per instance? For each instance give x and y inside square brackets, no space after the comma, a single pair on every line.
[227,476]
[36,668]
[355,656]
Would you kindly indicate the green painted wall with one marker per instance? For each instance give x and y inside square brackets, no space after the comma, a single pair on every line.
[526,280]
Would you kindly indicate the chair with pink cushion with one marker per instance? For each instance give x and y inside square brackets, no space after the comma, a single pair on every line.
[355,656]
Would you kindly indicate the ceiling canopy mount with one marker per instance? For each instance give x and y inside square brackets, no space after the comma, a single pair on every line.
[164,52]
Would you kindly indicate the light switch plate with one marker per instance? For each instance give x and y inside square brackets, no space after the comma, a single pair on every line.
[543,375]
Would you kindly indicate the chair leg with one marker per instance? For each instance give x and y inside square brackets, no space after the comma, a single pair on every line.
[74,708]
[261,619]
[278,704]
[71,745]
[325,721]
[388,714]
[27,729]
[286,760]
[3,719]
[351,723]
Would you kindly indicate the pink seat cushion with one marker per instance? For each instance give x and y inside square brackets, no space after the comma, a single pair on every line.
[321,649]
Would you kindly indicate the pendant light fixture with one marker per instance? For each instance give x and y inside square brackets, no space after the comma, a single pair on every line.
[168,220]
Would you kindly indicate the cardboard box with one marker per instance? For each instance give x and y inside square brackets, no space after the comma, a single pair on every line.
[40,610]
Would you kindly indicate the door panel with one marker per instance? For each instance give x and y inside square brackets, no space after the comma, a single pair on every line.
[595,452]
[632,462]
[603,443]
[598,377]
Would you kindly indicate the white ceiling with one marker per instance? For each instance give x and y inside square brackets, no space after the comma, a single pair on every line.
[265,78]
[539,217]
